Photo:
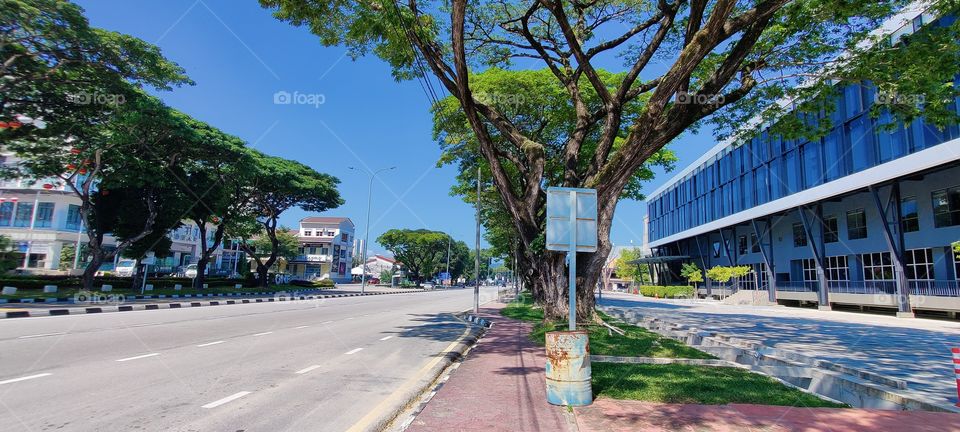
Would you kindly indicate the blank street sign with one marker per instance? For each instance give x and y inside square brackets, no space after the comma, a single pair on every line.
[559,201]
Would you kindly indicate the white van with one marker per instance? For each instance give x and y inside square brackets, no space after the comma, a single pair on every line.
[126,267]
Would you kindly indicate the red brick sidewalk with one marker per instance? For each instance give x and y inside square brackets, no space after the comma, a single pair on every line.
[499,387]
[608,415]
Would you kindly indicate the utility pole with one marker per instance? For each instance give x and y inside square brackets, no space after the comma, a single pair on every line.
[448,261]
[476,289]
[33,221]
[366,236]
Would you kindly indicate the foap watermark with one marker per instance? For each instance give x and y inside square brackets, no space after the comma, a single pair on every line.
[684,98]
[512,100]
[96,98]
[890,98]
[98,298]
[298,298]
[283,97]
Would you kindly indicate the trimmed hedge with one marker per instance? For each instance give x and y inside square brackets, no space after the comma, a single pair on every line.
[324,283]
[665,291]
[118,283]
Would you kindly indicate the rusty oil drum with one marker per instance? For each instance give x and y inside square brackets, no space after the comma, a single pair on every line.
[568,368]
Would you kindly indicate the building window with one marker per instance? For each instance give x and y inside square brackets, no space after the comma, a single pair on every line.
[344,237]
[6,213]
[830,230]
[716,249]
[836,268]
[877,266]
[946,207]
[856,224]
[73,218]
[308,233]
[799,235]
[44,215]
[956,265]
[909,217]
[755,244]
[918,264]
[23,215]
[742,245]
[809,269]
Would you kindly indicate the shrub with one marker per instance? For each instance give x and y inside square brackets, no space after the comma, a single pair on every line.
[666,291]
[323,283]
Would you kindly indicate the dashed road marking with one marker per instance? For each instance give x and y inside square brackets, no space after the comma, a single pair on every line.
[353,351]
[307,369]
[326,322]
[209,343]
[138,357]
[300,327]
[13,380]
[230,398]
[41,335]
[263,334]
[385,338]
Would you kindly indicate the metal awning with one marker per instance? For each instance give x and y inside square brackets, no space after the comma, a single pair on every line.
[659,259]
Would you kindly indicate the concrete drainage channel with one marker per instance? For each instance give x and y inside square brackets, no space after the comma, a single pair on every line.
[858,388]
[175,305]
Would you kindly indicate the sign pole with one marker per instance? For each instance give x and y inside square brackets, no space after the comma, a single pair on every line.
[572,254]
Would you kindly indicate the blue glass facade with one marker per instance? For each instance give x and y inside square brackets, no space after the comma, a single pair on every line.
[769,167]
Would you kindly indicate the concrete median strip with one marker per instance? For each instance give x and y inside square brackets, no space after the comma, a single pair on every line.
[24,313]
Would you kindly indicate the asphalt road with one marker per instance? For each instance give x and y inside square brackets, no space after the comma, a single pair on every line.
[293,366]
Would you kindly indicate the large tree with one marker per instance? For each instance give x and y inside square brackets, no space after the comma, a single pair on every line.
[98,129]
[277,185]
[218,181]
[421,251]
[686,61]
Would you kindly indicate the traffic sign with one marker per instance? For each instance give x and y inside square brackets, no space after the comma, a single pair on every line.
[562,221]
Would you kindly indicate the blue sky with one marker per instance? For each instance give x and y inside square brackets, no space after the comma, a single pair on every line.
[240,57]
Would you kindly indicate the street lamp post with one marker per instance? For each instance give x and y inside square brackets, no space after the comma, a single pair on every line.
[476,289]
[366,235]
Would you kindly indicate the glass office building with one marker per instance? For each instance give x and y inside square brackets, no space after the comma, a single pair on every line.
[864,215]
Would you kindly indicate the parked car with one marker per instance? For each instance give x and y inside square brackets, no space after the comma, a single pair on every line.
[126,268]
[191,271]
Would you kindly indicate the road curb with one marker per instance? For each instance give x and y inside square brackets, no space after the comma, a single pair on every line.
[80,310]
[398,403]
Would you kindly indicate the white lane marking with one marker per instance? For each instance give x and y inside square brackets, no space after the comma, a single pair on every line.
[386,337]
[353,351]
[351,318]
[41,335]
[263,334]
[326,322]
[138,357]
[209,343]
[307,369]
[230,398]
[13,380]
[300,327]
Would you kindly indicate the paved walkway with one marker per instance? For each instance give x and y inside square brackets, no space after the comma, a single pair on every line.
[608,415]
[500,386]
[916,350]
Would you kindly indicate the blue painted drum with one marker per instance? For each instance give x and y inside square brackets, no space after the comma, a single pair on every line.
[568,368]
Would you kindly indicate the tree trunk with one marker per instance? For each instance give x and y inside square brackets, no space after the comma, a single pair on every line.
[547,275]
[96,259]
[201,273]
[263,276]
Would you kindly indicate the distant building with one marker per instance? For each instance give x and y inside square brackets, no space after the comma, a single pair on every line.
[43,217]
[863,217]
[326,249]
[376,265]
